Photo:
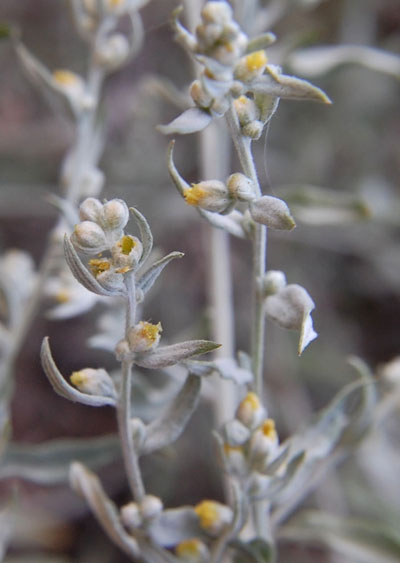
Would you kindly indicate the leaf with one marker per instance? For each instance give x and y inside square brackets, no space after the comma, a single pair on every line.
[358,540]
[316,61]
[284,86]
[230,223]
[190,121]
[254,551]
[147,279]
[48,463]
[88,485]
[170,424]
[227,368]
[62,387]
[260,42]
[170,355]
[175,525]
[146,235]
[81,273]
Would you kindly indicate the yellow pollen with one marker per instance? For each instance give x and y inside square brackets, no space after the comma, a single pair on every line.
[231,449]
[250,401]
[65,77]
[256,61]
[123,270]
[63,296]
[194,195]
[188,547]
[150,332]
[207,511]
[268,429]
[78,378]
[98,266]
[127,244]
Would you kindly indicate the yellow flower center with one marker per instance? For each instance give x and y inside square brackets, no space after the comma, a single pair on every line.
[256,60]
[149,331]
[268,429]
[194,195]
[65,77]
[231,449]
[208,513]
[78,378]
[127,244]
[63,296]
[188,547]
[251,401]
[115,3]
[98,266]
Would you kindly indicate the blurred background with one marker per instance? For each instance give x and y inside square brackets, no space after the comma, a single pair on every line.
[349,262]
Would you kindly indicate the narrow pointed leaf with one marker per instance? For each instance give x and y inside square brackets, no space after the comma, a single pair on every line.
[48,463]
[62,387]
[285,86]
[146,235]
[230,223]
[82,274]
[147,279]
[170,355]
[190,121]
[260,42]
[180,183]
[88,485]
[170,424]
[227,368]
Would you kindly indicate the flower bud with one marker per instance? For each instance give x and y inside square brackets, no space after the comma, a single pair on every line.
[93,382]
[113,52]
[246,110]
[200,97]
[211,195]
[213,516]
[122,350]
[150,507]
[235,460]
[192,551]
[216,12]
[253,129]
[114,215]
[131,516]
[272,212]
[126,254]
[263,443]
[240,187]
[88,237]
[251,66]
[250,411]
[71,85]
[272,282]
[235,433]
[144,336]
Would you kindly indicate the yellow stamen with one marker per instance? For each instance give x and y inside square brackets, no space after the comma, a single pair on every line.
[149,331]
[63,296]
[115,3]
[188,547]
[127,244]
[65,77]
[207,511]
[194,195]
[98,266]
[78,378]
[231,449]
[268,429]
[256,60]
[251,401]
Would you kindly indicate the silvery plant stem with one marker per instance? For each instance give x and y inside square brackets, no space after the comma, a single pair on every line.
[130,456]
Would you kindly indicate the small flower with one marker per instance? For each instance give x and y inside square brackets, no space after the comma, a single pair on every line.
[144,336]
[72,86]
[250,411]
[114,215]
[192,551]
[113,52]
[213,516]
[89,238]
[93,382]
[264,442]
[211,195]
[126,254]
[240,187]
[251,66]
[131,516]
[150,507]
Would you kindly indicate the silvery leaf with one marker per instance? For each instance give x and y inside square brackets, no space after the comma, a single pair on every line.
[62,387]
[227,368]
[321,206]
[190,121]
[272,212]
[291,308]
[147,279]
[146,235]
[170,424]
[170,355]
[254,551]
[136,34]
[182,35]
[175,525]
[88,485]
[260,42]
[230,223]
[284,86]
[82,274]
[48,463]
[267,106]
[277,484]
[180,183]
[319,60]
[235,433]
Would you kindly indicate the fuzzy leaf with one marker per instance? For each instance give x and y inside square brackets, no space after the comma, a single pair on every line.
[180,183]
[62,387]
[291,308]
[284,86]
[230,223]
[48,463]
[88,485]
[170,424]
[146,235]
[227,368]
[82,274]
[147,279]
[260,42]
[190,121]
[170,355]
[272,212]
[175,525]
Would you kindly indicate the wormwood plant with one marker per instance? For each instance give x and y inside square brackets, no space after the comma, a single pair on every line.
[265,479]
